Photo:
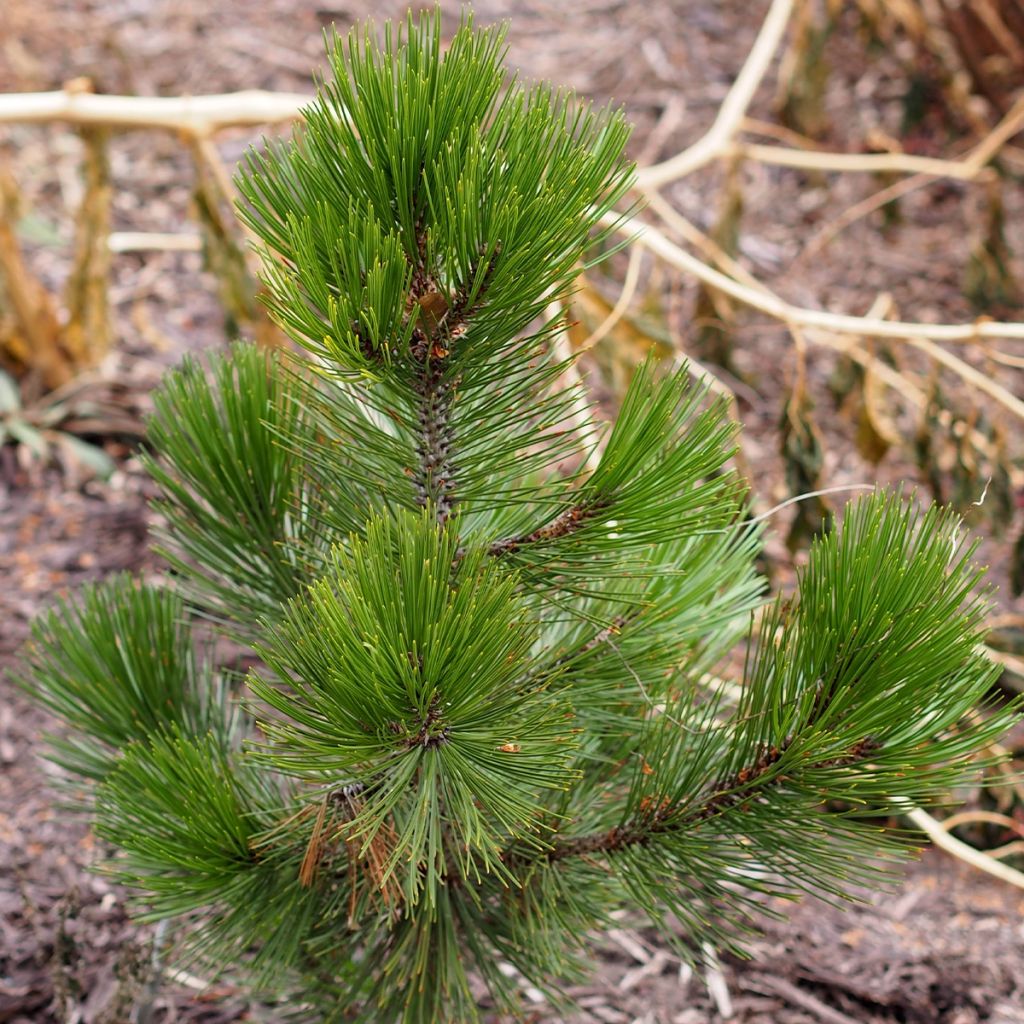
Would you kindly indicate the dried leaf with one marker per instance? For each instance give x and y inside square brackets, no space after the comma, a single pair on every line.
[1017,566]
[624,348]
[30,338]
[225,256]
[433,309]
[931,443]
[844,380]
[871,445]
[804,76]
[803,457]
[87,336]
[988,279]
[714,313]
[999,501]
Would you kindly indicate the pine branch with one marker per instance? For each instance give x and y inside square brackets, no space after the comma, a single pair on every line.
[722,796]
[441,324]
[857,692]
[647,490]
[467,211]
[118,665]
[447,649]
[237,502]
[482,723]
[564,525]
[435,473]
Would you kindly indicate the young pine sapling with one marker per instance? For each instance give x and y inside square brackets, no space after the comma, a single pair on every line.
[480,721]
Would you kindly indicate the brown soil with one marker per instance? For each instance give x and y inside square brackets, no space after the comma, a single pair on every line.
[946,945]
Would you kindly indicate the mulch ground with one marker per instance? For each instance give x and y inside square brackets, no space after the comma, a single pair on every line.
[944,945]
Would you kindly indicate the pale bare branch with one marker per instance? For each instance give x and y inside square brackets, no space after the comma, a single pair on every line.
[775,306]
[625,298]
[154,241]
[982,861]
[969,168]
[734,106]
[869,163]
[974,377]
[196,115]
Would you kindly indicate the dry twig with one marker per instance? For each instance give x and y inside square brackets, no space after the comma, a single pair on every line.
[837,323]
[734,106]
[625,298]
[194,115]
[799,997]
[982,817]
[932,828]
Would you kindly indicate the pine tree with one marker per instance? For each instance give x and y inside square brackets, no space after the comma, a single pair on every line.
[481,720]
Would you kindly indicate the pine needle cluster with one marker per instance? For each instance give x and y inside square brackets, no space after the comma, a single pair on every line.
[481,719]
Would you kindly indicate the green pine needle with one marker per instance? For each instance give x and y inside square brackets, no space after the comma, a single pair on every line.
[117,664]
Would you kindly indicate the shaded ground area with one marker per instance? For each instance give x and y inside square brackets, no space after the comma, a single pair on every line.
[945,946]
